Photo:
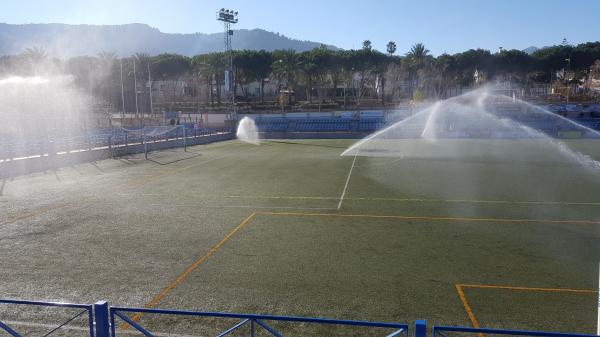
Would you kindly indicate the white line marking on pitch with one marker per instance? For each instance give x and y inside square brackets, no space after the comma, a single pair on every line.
[247,206]
[347,181]
[80,328]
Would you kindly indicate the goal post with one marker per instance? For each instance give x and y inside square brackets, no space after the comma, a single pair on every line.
[149,135]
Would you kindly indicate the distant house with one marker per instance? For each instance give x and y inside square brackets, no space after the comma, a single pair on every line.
[174,88]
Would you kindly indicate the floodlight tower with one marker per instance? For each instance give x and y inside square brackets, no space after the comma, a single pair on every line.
[228,17]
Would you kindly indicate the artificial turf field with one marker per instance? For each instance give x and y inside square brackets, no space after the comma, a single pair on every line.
[292,228]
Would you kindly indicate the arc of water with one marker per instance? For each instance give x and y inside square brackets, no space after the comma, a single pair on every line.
[354,147]
[551,114]
[576,155]
[481,96]
[357,146]
[430,125]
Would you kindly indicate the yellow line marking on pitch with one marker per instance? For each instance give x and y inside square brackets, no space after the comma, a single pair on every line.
[467,307]
[34,213]
[165,291]
[566,290]
[473,201]
[406,217]
[471,315]
[154,301]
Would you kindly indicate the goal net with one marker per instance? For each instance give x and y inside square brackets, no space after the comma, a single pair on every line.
[155,137]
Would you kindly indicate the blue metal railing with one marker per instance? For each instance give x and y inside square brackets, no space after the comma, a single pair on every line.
[101,320]
[438,331]
[246,319]
[48,145]
[87,308]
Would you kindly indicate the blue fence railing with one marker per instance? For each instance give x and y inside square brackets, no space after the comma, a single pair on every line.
[102,322]
[440,331]
[22,146]
[86,310]
[251,320]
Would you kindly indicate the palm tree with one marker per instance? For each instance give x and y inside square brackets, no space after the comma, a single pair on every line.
[285,66]
[141,63]
[416,59]
[36,57]
[36,54]
[257,67]
[106,73]
[141,58]
[380,63]
[418,53]
[391,47]
[444,68]
[107,58]
[212,66]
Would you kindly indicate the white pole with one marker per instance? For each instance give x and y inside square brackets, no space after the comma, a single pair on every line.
[137,111]
[150,88]
[122,91]
[184,140]
[145,144]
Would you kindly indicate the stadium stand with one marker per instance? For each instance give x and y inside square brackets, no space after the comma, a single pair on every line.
[37,143]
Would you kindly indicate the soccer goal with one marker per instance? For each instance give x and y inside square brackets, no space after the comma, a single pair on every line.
[157,137]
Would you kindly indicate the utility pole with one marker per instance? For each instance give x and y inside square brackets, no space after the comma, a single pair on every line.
[229,17]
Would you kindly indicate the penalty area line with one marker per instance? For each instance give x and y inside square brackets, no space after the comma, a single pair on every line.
[35,213]
[467,307]
[154,301]
[469,310]
[432,218]
[347,182]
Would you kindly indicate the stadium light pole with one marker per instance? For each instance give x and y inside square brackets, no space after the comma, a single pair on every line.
[229,17]
[122,93]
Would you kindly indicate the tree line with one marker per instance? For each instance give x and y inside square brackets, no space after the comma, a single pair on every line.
[365,72]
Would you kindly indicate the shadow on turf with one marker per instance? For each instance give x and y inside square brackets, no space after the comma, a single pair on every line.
[96,166]
[305,144]
[174,161]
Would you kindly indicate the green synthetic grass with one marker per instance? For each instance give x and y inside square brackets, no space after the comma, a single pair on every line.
[123,230]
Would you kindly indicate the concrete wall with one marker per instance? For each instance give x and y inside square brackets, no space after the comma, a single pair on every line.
[26,166]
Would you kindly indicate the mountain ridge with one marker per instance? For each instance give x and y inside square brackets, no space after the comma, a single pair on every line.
[64,40]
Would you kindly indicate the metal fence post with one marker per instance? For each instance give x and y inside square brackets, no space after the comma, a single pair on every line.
[101,318]
[420,328]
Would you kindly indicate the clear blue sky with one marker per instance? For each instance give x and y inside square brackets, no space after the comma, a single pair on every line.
[442,25]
